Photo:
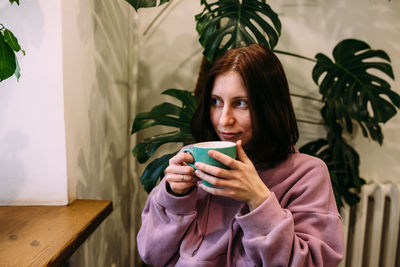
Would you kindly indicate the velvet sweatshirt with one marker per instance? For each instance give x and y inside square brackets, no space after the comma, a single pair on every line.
[297,225]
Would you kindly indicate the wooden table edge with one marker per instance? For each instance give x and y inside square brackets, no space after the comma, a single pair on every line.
[69,248]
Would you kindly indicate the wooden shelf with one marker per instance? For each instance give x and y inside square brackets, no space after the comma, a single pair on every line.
[47,235]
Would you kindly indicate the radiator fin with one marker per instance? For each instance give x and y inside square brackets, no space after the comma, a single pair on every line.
[371,228]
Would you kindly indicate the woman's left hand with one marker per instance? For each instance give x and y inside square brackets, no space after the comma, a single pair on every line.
[240,182]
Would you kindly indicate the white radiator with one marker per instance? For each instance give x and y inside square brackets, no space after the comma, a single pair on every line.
[371,229]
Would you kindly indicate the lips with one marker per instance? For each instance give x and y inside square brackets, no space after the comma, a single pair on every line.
[228,135]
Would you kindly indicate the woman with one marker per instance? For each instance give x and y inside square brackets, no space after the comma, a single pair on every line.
[273,207]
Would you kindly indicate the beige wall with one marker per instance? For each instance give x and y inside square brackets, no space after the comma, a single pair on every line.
[99,59]
[169,57]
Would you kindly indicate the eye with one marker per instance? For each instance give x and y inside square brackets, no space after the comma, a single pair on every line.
[216,102]
[242,103]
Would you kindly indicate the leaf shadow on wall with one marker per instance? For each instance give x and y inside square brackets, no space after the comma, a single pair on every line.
[105,171]
[11,166]
[103,158]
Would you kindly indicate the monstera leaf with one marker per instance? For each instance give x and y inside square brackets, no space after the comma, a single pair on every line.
[145,3]
[225,24]
[352,88]
[168,114]
[165,114]
[145,149]
[343,164]
[155,171]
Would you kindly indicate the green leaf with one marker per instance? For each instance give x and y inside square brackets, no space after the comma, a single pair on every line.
[343,164]
[187,98]
[17,69]
[157,117]
[11,40]
[155,171]
[168,114]
[16,1]
[351,88]
[145,149]
[226,24]
[7,59]
[145,3]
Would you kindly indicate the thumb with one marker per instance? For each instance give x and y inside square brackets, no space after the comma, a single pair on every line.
[240,152]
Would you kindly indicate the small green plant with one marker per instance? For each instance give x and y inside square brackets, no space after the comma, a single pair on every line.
[9,46]
[350,93]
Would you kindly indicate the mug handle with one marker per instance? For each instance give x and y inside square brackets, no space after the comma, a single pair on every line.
[189,150]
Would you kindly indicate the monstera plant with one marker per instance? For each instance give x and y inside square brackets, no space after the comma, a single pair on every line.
[166,114]
[351,90]
[8,47]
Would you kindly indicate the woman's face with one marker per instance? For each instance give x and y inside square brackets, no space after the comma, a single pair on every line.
[229,111]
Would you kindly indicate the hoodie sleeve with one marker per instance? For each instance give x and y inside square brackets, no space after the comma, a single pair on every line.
[303,230]
[165,220]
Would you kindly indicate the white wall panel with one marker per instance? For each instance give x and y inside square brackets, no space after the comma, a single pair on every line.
[32,131]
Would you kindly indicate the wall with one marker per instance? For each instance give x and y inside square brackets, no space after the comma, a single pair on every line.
[32,131]
[99,52]
[170,57]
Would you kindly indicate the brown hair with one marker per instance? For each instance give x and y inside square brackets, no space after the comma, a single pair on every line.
[273,120]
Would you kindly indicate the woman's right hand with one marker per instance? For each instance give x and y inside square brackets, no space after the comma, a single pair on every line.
[179,175]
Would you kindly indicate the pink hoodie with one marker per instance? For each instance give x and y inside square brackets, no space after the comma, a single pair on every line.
[298,224]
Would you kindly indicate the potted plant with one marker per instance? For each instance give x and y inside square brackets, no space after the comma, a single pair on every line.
[346,85]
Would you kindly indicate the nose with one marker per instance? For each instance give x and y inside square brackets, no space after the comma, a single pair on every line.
[227,117]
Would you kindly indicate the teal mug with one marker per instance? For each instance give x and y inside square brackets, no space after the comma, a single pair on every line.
[199,152]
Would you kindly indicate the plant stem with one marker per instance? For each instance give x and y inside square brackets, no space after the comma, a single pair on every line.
[157,17]
[307,97]
[311,122]
[238,25]
[294,55]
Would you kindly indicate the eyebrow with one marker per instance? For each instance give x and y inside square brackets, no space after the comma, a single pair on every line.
[235,98]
